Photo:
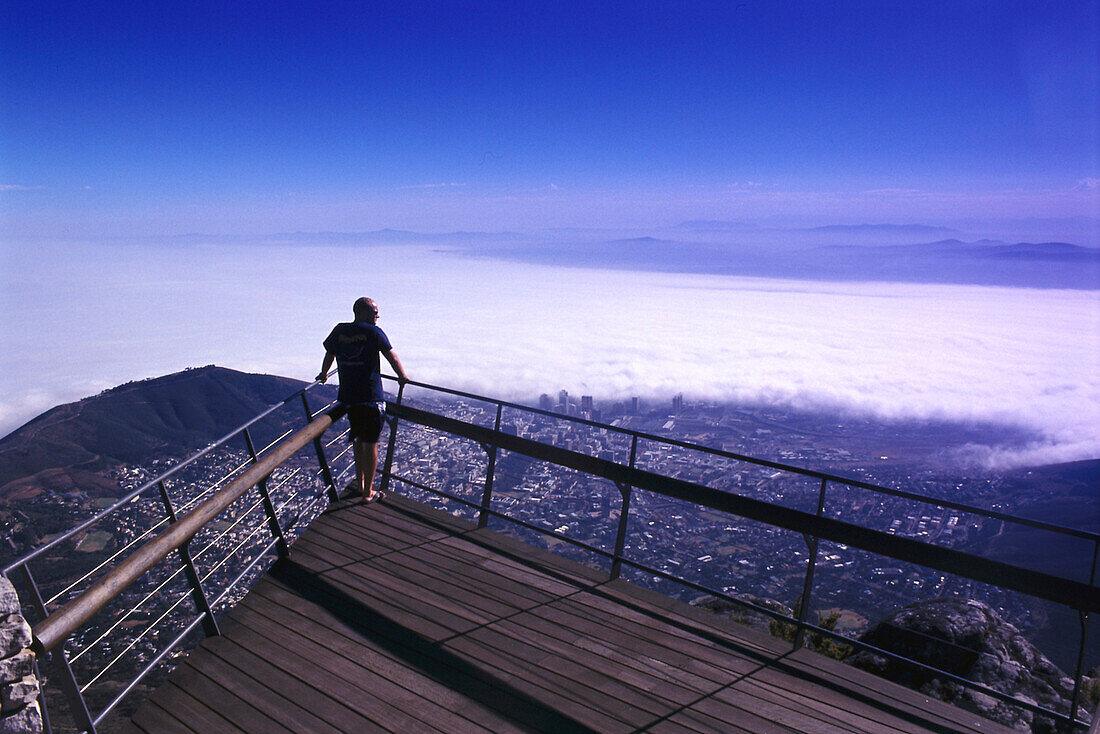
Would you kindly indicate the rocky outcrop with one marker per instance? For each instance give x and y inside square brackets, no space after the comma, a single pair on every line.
[19,711]
[967,638]
[745,615]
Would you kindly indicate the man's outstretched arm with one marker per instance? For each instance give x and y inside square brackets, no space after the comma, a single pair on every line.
[326,365]
[391,357]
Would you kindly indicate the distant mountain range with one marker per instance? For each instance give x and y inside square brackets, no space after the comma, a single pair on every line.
[984,249]
[922,230]
[76,444]
[982,262]
[857,253]
[367,237]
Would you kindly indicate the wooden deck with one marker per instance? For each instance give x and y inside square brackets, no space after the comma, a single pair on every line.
[397,617]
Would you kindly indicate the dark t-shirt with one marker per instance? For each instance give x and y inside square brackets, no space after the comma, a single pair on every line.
[356,346]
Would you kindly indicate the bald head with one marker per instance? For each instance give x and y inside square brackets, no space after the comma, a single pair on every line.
[365,310]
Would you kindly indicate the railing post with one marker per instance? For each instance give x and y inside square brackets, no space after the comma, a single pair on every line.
[490,470]
[384,486]
[269,508]
[1084,619]
[326,474]
[808,580]
[209,624]
[59,661]
[46,727]
[620,535]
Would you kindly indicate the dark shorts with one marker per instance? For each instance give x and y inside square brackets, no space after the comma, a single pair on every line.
[366,422]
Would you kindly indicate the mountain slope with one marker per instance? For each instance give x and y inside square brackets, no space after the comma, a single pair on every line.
[78,442]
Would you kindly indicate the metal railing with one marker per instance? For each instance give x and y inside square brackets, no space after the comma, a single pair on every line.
[58,623]
[813,526]
[68,609]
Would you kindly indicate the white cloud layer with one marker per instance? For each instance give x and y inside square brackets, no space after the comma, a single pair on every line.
[83,318]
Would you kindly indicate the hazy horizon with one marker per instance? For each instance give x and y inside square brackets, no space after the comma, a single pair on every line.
[1022,357]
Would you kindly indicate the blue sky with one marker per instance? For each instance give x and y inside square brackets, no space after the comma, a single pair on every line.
[160,118]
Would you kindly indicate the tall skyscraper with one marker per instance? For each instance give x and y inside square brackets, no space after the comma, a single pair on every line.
[634,406]
[545,403]
[678,404]
[586,403]
[563,400]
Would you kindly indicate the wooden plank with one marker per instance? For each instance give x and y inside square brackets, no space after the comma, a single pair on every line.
[186,707]
[852,685]
[539,579]
[649,607]
[360,687]
[376,524]
[230,705]
[671,726]
[257,662]
[548,689]
[471,573]
[811,701]
[745,721]
[314,557]
[363,593]
[738,705]
[694,662]
[388,590]
[477,683]
[697,655]
[431,516]
[424,526]
[402,617]
[605,686]
[274,697]
[481,602]
[889,694]
[665,692]
[358,542]
[153,719]
[537,558]
[712,642]
[345,707]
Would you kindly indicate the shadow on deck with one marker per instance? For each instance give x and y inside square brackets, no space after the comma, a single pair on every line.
[395,616]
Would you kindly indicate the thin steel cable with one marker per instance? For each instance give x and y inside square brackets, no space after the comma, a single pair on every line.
[338,437]
[238,521]
[280,438]
[123,618]
[188,504]
[133,642]
[227,556]
[112,557]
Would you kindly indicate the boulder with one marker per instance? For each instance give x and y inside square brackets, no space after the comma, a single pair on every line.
[15,634]
[9,600]
[28,719]
[969,639]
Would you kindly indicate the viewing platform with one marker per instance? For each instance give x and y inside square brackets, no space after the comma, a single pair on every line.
[527,571]
[396,616]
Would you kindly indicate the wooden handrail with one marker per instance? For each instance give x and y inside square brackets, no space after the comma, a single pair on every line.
[58,626]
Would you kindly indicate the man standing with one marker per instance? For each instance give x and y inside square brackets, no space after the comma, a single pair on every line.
[355,346]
